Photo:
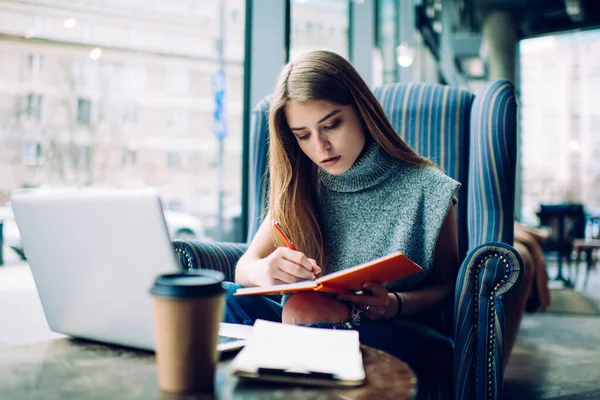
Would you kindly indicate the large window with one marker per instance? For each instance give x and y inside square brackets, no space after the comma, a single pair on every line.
[402,54]
[388,35]
[559,121]
[123,95]
[319,25]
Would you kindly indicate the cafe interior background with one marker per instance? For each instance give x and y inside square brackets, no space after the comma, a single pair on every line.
[158,94]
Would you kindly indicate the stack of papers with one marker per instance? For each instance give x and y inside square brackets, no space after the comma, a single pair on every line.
[288,353]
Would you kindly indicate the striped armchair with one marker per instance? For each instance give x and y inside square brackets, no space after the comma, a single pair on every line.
[473,139]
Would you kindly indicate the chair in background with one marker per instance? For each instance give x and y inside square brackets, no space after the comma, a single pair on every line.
[473,139]
[567,223]
[588,248]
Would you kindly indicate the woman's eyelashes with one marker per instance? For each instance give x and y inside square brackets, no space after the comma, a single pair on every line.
[334,124]
[328,127]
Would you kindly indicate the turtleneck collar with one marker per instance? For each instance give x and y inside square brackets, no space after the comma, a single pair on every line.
[370,168]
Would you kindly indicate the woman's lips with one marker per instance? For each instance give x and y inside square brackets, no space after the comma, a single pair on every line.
[330,161]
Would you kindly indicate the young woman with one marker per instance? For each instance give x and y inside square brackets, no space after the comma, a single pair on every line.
[348,190]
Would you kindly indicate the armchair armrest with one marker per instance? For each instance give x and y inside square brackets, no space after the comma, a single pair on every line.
[489,272]
[223,257]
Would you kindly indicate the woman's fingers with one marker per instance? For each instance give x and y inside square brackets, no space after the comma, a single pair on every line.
[284,277]
[359,299]
[375,289]
[373,300]
[295,257]
[368,297]
[297,271]
[315,268]
[370,311]
[289,266]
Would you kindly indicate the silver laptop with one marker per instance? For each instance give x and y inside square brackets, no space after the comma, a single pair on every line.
[94,255]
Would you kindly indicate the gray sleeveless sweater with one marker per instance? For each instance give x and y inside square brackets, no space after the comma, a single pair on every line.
[382,205]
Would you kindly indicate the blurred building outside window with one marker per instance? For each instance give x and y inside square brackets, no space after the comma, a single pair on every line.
[31,153]
[319,25]
[560,133]
[130,116]
[85,72]
[134,38]
[35,63]
[177,80]
[178,120]
[119,79]
[134,77]
[82,156]
[34,107]
[174,160]
[84,111]
[88,31]
[36,26]
[129,158]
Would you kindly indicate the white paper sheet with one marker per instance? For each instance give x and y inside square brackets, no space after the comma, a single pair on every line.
[301,349]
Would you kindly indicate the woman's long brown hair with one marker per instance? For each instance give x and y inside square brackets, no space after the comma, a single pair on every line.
[318,75]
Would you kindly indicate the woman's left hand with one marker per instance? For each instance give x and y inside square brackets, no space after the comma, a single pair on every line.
[374,299]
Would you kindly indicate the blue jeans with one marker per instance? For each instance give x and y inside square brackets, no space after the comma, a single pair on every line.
[247,309]
[413,343]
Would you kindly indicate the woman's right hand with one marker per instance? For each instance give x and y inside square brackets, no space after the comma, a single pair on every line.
[286,266]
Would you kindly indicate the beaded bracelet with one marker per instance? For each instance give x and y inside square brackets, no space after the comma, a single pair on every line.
[400,299]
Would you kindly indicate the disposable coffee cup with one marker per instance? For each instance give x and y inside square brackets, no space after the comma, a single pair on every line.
[187,311]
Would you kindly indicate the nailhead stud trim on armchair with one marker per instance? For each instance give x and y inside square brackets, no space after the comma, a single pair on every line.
[473,139]
[191,255]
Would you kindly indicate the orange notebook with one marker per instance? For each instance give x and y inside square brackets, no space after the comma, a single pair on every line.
[382,270]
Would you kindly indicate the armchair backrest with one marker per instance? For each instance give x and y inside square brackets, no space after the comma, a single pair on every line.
[433,119]
[472,138]
[492,165]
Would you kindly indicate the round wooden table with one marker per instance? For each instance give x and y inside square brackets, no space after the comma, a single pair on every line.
[67,368]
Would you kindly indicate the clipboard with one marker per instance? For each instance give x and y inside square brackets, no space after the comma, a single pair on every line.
[301,355]
[302,378]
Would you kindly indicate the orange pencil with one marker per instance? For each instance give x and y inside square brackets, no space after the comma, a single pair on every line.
[286,239]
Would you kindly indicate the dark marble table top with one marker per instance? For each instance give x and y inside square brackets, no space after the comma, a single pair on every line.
[74,369]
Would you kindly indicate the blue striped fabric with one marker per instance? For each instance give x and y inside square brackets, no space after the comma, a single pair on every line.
[492,268]
[473,141]
[191,255]
[434,120]
[490,272]
[492,165]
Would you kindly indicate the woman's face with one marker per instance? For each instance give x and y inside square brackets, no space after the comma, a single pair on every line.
[329,134]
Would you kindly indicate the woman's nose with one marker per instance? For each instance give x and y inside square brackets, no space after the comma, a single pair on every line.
[322,144]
